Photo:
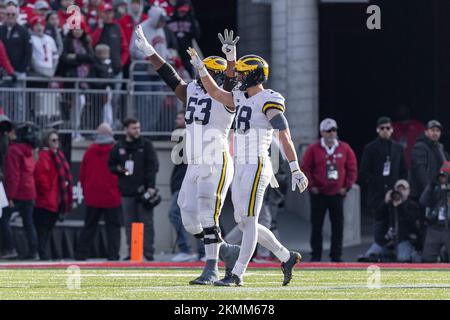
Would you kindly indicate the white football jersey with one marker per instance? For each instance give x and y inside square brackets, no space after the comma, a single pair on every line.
[253,134]
[208,124]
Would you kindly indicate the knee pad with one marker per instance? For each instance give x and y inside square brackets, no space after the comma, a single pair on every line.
[212,235]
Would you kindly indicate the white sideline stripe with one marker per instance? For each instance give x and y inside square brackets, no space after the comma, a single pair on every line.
[148,274]
[290,288]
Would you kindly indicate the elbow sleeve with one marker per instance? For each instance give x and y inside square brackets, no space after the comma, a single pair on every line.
[169,75]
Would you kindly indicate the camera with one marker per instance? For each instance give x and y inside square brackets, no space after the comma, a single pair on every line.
[396,195]
[147,200]
[391,237]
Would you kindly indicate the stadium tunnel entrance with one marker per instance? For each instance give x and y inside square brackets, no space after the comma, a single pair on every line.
[365,74]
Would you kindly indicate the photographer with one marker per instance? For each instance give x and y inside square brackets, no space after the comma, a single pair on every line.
[396,228]
[436,200]
[135,161]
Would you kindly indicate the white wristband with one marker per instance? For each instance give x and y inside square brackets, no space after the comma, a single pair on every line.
[149,51]
[203,72]
[231,56]
[294,166]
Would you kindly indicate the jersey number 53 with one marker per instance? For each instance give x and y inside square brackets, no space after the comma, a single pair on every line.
[204,108]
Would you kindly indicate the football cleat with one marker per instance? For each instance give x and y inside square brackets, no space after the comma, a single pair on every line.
[289,265]
[204,281]
[209,275]
[230,281]
[229,253]
[252,70]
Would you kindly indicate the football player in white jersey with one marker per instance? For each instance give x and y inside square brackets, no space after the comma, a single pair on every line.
[258,112]
[210,166]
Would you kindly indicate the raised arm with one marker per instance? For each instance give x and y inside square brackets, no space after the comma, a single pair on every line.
[279,123]
[229,49]
[224,97]
[165,70]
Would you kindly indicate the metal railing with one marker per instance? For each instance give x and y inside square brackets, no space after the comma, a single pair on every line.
[80,105]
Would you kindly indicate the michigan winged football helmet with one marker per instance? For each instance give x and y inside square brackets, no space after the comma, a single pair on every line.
[216,65]
[253,70]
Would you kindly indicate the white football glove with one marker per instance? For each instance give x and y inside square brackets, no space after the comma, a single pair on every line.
[298,177]
[142,42]
[197,62]
[228,44]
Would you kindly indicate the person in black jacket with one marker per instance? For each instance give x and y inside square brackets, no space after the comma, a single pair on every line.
[135,161]
[16,39]
[382,164]
[17,42]
[77,55]
[398,228]
[185,26]
[427,158]
[436,200]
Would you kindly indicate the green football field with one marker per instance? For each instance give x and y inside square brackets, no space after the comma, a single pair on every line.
[259,284]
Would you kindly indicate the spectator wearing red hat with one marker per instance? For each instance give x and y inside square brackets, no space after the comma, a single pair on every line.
[101,194]
[45,53]
[109,32]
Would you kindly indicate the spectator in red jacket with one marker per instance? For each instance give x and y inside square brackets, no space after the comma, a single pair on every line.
[53,188]
[20,188]
[101,195]
[331,168]
[110,32]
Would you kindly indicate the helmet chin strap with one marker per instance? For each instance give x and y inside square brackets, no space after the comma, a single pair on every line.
[217,76]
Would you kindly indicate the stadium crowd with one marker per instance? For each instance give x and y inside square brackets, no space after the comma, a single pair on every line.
[40,38]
